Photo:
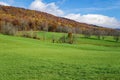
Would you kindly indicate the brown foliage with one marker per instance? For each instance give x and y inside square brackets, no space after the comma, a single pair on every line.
[25,19]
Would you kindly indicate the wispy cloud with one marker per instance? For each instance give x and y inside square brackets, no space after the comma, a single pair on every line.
[5,4]
[11,1]
[111,6]
[8,2]
[60,2]
[94,9]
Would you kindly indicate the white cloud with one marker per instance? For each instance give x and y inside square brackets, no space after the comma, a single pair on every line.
[3,3]
[51,8]
[96,19]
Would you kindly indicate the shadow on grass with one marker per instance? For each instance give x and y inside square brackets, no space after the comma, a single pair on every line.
[100,39]
[90,38]
[112,41]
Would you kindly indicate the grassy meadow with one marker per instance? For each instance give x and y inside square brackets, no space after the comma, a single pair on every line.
[86,59]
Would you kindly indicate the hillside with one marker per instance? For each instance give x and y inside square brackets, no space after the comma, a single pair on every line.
[25,19]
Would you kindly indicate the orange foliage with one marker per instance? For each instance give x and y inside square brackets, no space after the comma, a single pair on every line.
[26,19]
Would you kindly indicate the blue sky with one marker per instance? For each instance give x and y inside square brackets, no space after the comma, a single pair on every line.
[98,12]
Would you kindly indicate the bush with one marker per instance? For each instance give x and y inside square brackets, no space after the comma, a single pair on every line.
[62,39]
[69,39]
[30,34]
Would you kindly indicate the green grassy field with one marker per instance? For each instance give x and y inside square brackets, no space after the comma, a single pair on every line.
[29,59]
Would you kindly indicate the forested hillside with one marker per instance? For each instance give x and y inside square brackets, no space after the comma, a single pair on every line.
[24,19]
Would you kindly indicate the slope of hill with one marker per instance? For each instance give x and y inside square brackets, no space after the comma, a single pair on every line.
[25,19]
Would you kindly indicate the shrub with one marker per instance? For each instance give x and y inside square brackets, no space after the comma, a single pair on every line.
[69,39]
[35,36]
[30,34]
[62,39]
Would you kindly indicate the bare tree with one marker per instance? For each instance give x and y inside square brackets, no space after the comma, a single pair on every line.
[78,30]
[59,29]
[116,35]
[9,29]
[103,34]
[97,33]
[87,33]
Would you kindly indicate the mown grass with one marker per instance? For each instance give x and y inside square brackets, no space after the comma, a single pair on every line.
[30,59]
